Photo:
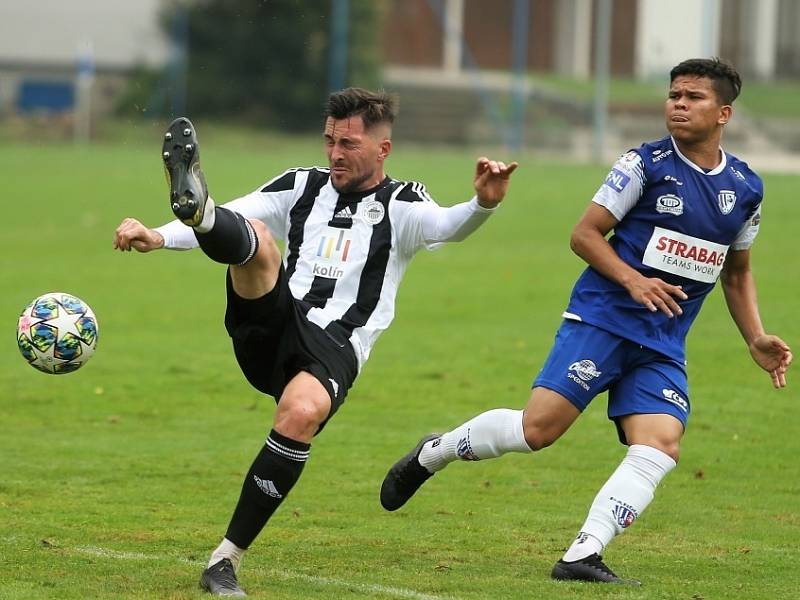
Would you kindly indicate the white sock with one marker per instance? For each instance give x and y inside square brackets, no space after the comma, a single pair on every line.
[489,435]
[621,500]
[227,549]
[209,217]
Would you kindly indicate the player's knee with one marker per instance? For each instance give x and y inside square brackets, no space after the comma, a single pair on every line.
[671,449]
[299,416]
[539,435]
[267,248]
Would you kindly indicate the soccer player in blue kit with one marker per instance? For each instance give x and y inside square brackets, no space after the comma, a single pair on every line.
[684,213]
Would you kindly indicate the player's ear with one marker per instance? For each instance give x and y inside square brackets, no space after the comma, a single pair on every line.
[384,149]
[725,114]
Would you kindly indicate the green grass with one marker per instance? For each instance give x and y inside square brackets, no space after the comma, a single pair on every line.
[119,479]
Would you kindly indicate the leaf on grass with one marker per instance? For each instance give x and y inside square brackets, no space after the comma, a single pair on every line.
[441,567]
[699,474]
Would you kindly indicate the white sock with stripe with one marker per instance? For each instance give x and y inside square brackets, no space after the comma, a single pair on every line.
[621,500]
[489,435]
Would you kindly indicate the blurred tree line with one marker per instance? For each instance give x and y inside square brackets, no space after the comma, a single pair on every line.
[263,61]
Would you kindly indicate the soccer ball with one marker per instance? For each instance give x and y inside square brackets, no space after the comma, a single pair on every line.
[57,333]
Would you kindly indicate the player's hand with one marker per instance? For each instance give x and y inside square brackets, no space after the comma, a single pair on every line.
[773,355]
[131,234]
[491,181]
[656,294]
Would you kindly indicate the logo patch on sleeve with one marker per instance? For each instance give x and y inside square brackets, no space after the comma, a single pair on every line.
[617,180]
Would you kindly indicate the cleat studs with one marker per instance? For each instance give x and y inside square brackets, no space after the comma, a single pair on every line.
[165,155]
[187,132]
[168,136]
[175,206]
[190,203]
[189,147]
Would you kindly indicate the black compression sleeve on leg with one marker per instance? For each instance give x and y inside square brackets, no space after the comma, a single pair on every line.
[232,240]
[273,474]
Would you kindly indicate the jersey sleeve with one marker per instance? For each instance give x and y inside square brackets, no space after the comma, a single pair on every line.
[424,223]
[748,232]
[271,202]
[623,185]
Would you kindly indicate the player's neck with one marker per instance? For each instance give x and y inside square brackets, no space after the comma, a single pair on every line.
[706,154]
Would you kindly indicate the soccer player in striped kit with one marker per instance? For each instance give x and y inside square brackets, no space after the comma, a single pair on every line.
[684,213]
[303,324]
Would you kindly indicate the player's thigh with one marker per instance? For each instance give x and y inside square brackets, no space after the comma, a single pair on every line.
[259,275]
[583,362]
[650,405]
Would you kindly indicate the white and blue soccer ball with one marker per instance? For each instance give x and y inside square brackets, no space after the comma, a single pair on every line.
[57,333]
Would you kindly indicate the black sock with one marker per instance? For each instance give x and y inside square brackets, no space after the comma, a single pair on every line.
[232,240]
[273,474]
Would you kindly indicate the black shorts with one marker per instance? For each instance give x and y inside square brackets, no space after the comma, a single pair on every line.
[273,341]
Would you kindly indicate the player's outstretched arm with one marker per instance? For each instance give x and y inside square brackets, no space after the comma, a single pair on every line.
[131,234]
[769,352]
[491,181]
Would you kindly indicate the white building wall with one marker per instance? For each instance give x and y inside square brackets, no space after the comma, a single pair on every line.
[669,32]
[122,33]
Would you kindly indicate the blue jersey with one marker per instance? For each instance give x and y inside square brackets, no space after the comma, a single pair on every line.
[677,222]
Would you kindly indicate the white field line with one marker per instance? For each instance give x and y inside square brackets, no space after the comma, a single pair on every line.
[289,575]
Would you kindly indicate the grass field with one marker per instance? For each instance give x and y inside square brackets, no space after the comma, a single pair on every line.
[117,480]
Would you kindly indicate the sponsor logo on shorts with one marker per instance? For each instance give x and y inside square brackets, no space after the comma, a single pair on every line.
[335,387]
[585,370]
[624,514]
[669,204]
[676,399]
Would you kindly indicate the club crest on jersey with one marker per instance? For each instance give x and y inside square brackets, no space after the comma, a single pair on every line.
[669,204]
[374,212]
[726,200]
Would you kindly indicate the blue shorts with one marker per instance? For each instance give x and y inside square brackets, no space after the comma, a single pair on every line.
[586,361]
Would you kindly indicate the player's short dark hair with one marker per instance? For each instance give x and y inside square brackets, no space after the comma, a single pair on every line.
[373,107]
[726,81]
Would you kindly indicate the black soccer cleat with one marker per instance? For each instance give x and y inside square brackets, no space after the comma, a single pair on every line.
[187,186]
[592,568]
[405,477]
[220,580]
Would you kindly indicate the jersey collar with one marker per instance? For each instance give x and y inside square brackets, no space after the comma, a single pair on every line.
[715,171]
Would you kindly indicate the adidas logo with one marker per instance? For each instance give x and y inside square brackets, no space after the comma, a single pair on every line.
[345,213]
[266,486]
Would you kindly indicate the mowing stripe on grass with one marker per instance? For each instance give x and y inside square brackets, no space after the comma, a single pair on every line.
[321,581]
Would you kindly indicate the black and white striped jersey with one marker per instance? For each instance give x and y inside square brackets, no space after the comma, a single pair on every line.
[345,253]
